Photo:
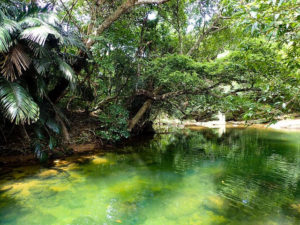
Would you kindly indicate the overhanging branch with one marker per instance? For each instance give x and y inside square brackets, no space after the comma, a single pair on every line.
[117,14]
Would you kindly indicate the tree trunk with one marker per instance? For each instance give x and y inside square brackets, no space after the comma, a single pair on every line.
[180,43]
[133,122]
[141,112]
[112,18]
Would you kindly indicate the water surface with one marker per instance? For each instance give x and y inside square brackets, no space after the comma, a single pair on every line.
[244,176]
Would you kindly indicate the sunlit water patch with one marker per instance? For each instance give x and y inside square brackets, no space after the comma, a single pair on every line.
[189,177]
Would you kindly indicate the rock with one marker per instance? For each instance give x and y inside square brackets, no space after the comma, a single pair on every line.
[21,188]
[60,188]
[48,173]
[72,166]
[98,161]
[61,163]
[287,124]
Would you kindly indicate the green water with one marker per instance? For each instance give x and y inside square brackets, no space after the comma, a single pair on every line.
[244,176]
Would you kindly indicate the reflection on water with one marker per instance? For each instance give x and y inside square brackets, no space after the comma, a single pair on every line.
[189,177]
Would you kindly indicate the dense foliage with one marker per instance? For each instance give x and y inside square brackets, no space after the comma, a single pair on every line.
[139,58]
[33,59]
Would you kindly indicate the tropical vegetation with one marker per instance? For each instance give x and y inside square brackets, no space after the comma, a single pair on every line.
[125,62]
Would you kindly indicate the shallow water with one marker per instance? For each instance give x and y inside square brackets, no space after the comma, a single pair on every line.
[245,176]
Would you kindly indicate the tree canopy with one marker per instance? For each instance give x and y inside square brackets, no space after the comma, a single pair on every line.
[128,61]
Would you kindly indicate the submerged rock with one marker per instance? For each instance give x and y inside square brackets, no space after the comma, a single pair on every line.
[72,166]
[21,188]
[48,173]
[61,163]
[61,187]
[98,161]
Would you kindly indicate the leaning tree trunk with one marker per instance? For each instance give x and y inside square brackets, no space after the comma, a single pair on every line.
[138,116]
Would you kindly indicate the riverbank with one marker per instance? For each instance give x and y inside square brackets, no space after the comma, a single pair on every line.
[85,143]
[287,124]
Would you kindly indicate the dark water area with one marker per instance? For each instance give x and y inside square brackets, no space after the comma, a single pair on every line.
[242,176]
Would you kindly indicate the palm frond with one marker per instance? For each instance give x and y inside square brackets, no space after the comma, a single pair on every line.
[41,87]
[16,60]
[38,50]
[30,22]
[6,8]
[7,28]
[39,19]
[67,71]
[17,104]
[42,65]
[75,41]
[29,10]
[40,34]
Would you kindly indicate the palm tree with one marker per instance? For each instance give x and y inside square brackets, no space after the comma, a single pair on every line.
[32,59]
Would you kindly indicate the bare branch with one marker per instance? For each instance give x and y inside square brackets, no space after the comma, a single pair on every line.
[70,15]
[68,12]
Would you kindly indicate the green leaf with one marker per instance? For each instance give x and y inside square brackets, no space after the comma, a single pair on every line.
[42,87]
[39,132]
[53,125]
[7,28]
[52,142]
[280,2]
[39,152]
[17,104]
[67,71]
[30,22]
[42,65]
[254,27]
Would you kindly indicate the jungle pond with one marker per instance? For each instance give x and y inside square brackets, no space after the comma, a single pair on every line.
[243,176]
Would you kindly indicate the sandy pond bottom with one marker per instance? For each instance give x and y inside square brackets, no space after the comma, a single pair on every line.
[244,176]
